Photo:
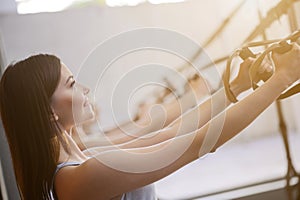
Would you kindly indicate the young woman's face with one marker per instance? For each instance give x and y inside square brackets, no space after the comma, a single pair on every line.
[70,102]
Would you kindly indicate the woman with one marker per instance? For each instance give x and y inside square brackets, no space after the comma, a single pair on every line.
[40,103]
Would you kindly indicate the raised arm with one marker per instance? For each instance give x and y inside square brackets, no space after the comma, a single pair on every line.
[128,135]
[197,116]
[115,172]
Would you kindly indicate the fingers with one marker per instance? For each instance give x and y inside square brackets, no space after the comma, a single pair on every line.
[296,46]
[295,49]
[286,57]
[288,64]
[248,62]
[263,72]
[266,66]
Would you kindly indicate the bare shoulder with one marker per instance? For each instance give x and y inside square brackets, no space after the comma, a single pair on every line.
[89,180]
[95,180]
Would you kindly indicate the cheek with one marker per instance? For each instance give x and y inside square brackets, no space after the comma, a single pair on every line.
[65,107]
[77,106]
[81,112]
[77,102]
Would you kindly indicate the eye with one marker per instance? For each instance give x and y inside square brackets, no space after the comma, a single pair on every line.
[72,84]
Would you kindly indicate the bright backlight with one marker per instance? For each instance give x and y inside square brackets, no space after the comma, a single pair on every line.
[36,6]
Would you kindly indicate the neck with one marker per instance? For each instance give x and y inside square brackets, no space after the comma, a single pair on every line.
[76,153]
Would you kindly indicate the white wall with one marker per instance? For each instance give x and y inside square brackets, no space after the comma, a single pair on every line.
[73,33]
[8,6]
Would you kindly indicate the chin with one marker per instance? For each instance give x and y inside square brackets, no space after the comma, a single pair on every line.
[88,115]
[90,112]
[91,117]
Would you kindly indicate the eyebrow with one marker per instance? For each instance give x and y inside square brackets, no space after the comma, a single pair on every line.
[69,78]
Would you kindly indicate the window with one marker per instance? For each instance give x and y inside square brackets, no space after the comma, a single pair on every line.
[36,6]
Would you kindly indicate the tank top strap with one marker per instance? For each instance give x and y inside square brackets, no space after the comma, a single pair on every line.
[59,166]
[65,164]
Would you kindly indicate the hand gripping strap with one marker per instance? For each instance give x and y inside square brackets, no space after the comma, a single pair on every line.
[278,46]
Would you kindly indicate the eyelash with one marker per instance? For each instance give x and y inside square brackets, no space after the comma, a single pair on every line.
[72,84]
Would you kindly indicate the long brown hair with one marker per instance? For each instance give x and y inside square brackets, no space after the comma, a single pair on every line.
[34,137]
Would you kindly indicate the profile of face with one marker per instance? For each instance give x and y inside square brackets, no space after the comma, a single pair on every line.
[70,102]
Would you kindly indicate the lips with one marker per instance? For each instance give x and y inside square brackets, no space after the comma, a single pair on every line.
[86,102]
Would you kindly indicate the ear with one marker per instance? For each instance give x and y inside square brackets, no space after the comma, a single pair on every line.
[53,116]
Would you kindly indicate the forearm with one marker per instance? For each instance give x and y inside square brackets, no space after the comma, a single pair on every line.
[121,134]
[241,114]
[208,109]
[161,115]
